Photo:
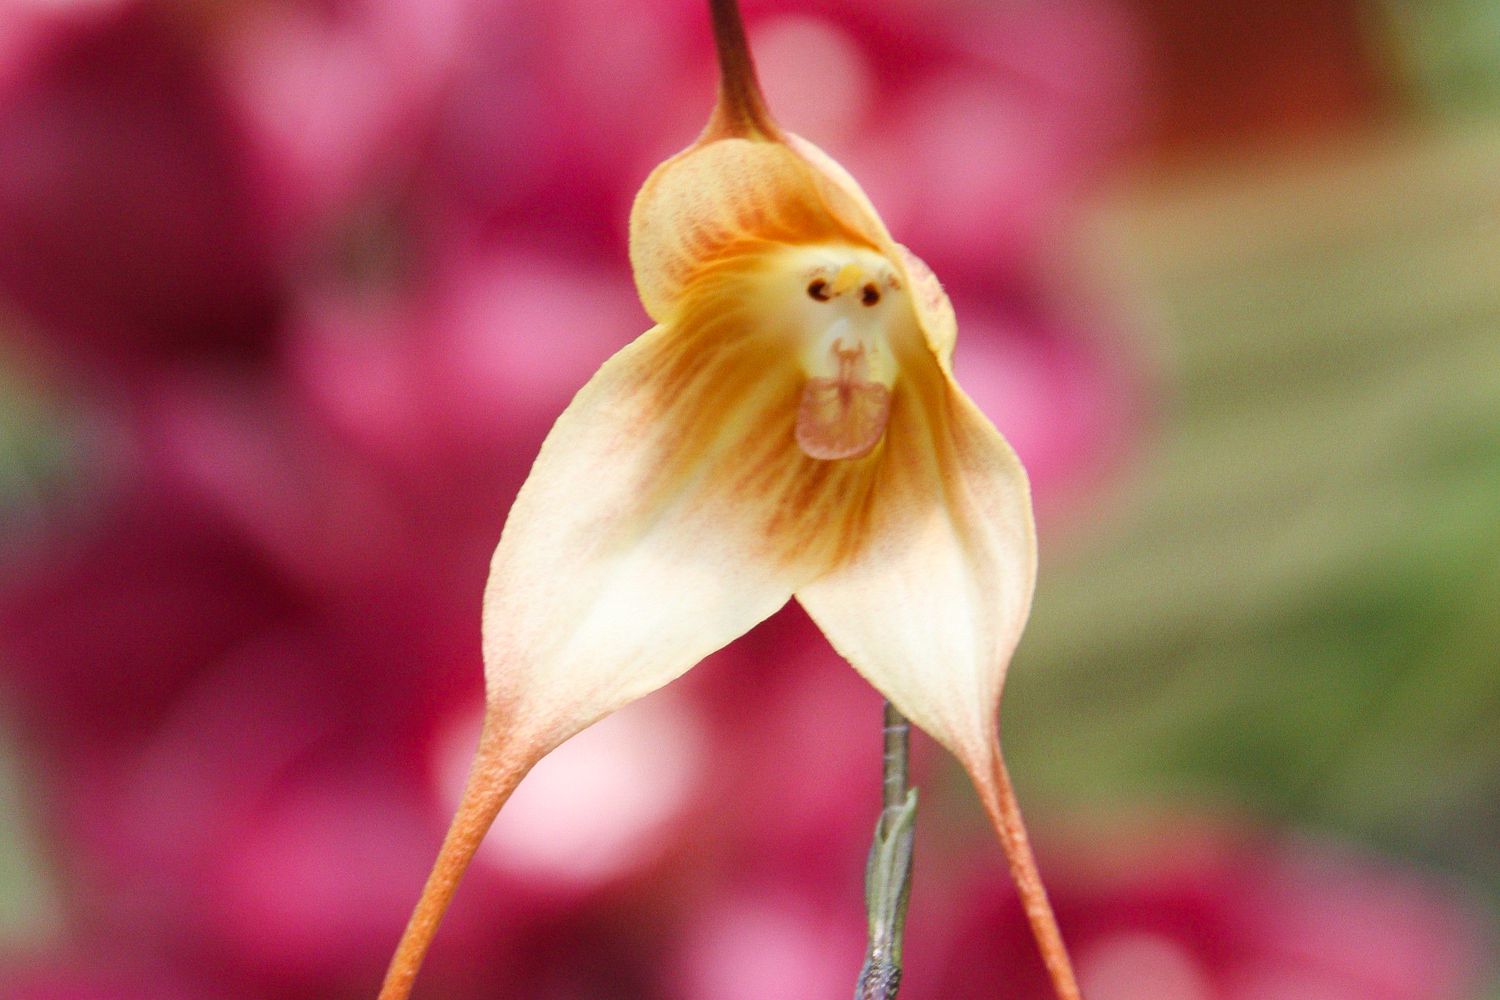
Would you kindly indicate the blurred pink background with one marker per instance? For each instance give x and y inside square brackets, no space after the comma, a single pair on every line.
[290,292]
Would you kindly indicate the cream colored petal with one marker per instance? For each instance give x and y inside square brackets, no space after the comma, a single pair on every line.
[841,193]
[930,601]
[725,197]
[670,510]
[931,604]
[627,557]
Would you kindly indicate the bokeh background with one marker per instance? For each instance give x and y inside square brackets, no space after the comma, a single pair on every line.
[290,291]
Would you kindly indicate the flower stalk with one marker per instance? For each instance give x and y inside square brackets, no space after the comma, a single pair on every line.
[888,871]
[741,109]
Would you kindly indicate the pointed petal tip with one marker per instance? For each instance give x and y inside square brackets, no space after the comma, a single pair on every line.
[999,800]
[500,762]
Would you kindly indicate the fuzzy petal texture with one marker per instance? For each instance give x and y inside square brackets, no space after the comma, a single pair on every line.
[931,605]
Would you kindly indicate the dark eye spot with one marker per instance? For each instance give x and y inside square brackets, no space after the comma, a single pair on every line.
[819,290]
[869,295]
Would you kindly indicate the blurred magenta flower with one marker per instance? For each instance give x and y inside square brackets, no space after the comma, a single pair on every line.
[337,98]
[89,976]
[133,222]
[754,943]
[469,367]
[194,774]
[1205,911]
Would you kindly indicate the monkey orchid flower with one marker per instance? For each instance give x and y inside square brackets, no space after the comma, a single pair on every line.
[789,427]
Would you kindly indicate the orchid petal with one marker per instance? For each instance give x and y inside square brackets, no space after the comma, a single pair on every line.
[845,199]
[651,531]
[722,195]
[934,312]
[931,605]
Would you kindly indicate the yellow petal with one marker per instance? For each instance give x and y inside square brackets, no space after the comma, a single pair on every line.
[931,605]
[845,199]
[840,192]
[725,197]
[934,311]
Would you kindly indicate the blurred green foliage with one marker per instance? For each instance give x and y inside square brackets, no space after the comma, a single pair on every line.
[1293,610]
[1448,50]
[37,455]
[25,902]
[36,460]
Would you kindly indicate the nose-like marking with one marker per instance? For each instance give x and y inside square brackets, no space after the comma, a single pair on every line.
[847,278]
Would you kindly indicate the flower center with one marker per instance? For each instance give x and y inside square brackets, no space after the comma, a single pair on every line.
[851,307]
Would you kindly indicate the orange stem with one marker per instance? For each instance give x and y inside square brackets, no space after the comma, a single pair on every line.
[1005,813]
[742,110]
[496,771]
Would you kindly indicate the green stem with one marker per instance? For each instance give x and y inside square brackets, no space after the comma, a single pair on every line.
[888,870]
